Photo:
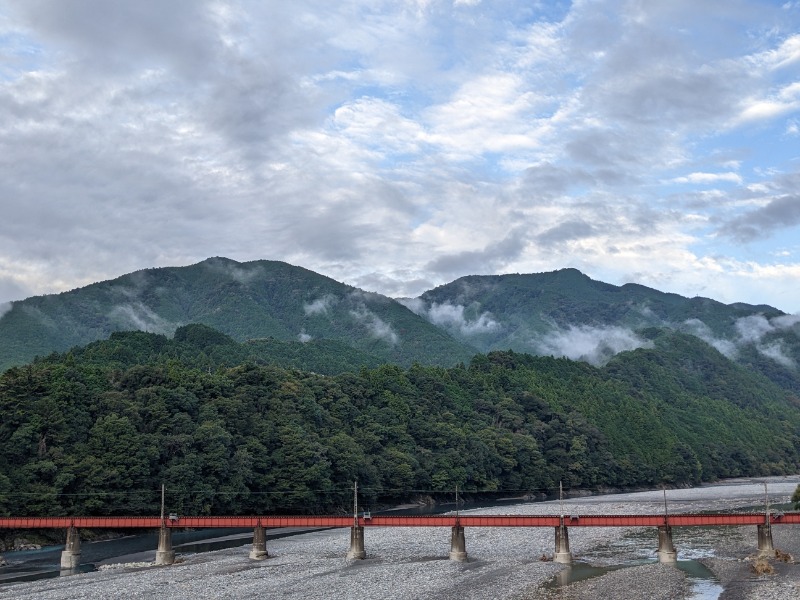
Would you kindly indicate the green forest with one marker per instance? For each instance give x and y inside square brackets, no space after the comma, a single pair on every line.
[233,429]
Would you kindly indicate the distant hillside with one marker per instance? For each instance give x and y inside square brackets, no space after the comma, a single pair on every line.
[201,347]
[565,313]
[248,301]
[561,313]
[97,431]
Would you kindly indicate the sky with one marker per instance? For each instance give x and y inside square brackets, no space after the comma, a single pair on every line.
[398,145]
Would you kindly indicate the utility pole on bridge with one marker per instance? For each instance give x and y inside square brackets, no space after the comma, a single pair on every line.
[356,531]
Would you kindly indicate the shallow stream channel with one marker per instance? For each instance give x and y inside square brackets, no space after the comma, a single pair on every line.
[704,584]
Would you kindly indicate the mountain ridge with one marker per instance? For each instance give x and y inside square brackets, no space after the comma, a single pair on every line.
[257,299]
[559,313]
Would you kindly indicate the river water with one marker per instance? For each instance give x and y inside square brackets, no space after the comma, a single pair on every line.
[692,543]
[628,550]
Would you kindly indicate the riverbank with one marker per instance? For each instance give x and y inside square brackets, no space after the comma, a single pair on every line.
[503,562]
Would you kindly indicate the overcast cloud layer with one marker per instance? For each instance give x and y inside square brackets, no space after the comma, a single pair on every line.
[398,145]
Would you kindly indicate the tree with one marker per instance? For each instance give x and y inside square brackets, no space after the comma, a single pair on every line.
[796,498]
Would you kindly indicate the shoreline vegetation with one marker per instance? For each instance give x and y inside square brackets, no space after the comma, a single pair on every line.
[503,562]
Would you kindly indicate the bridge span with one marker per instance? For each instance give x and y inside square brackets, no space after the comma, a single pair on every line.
[469,520]
[70,557]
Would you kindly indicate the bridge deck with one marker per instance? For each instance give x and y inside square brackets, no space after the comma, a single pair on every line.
[471,520]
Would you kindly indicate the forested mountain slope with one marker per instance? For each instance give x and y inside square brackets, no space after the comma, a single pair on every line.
[247,301]
[565,313]
[562,313]
[93,432]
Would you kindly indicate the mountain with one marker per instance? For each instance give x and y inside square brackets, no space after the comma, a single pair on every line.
[98,430]
[262,386]
[247,301]
[565,313]
[560,313]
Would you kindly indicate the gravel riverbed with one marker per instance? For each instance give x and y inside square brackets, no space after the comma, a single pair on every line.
[504,563]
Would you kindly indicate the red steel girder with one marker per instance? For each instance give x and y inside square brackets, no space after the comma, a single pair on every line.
[470,520]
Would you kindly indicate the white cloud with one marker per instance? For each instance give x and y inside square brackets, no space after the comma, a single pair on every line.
[785,55]
[754,328]
[377,327]
[703,331]
[709,178]
[378,124]
[453,316]
[490,113]
[304,337]
[319,306]
[400,143]
[595,345]
[137,316]
[776,352]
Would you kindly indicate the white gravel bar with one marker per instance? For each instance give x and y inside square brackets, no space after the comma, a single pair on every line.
[504,563]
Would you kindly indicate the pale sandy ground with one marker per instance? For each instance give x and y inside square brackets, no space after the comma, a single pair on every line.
[503,563]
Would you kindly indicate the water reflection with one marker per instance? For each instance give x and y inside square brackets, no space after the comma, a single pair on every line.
[705,586]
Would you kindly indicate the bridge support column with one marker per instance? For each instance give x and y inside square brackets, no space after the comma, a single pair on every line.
[562,554]
[71,556]
[765,539]
[259,550]
[458,544]
[356,543]
[165,555]
[666,550]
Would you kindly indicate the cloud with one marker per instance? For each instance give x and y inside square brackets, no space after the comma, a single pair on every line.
[304,337]
[565,232]
[776,214]
[458,317]
[137,316]
[786,54]
[320,306]
[10,288]
[703,331]
[751,330]
[481,261]
[776,352]
[4,308]
[376,326]
[595,345]
[709,178]
[416,305]
[400,145]
[113,35]
[754,329]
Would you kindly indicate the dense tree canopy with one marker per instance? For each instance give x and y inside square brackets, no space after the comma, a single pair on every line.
[97,430]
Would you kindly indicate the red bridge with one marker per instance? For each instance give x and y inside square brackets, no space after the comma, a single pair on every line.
[70,557]
[471,520]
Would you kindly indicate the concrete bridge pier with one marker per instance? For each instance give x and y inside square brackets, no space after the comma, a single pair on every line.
[259,551]
[356,543]
[562,554]
[71,556]
[458,544]
[765,539]
[165,555]
[666,549]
